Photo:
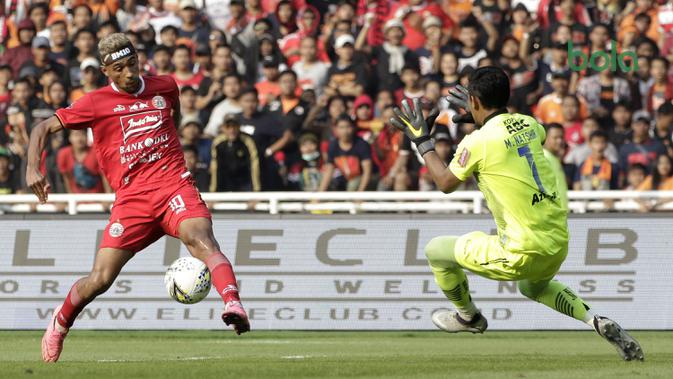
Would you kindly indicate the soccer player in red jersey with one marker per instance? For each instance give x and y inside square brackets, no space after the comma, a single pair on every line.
[138,151]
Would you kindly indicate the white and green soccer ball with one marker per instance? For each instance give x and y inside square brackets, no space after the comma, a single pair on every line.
[187,280]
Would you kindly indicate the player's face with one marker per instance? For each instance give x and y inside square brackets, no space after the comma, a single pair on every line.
[124,73]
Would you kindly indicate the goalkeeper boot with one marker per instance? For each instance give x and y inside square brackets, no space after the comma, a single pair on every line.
[52,341]
[625,345]
[451,322]
[235,314]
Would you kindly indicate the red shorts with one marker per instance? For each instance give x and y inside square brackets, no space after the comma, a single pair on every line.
[141,217]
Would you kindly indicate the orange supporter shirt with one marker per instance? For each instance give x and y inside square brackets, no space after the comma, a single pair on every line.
[549,109]
[628,25]
[665,185]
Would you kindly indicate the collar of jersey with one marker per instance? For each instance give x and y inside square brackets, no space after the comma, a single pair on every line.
[140,90]
[494,114]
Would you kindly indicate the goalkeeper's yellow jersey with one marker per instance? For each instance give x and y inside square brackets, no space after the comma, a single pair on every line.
[519,185]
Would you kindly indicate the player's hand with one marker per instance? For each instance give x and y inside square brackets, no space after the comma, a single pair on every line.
[411,122]
[38,184]
[459,98]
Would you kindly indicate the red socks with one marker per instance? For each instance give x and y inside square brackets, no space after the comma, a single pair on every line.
[222,276]
[71,307]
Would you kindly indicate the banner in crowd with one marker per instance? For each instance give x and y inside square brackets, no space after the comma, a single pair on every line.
[328,272]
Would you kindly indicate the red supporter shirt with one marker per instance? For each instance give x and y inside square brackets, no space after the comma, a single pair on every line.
[135,138]
[65,160]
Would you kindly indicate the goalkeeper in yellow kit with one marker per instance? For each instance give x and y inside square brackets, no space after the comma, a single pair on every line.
[506,157]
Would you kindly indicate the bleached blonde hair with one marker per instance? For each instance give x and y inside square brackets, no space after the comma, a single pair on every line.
[111,43]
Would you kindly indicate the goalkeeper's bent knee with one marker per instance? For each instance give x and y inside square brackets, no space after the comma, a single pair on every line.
[441,249]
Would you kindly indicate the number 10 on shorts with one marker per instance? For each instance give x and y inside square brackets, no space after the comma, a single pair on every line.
[177,204]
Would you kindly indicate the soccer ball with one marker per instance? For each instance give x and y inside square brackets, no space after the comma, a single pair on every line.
[187,280]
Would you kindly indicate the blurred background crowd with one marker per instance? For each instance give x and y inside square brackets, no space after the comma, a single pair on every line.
[296,94]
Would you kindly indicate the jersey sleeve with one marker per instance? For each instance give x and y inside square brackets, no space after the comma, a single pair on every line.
[173,92]
[79,115]
[468,158]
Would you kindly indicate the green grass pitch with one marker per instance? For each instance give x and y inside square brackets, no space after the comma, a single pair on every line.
[220,354]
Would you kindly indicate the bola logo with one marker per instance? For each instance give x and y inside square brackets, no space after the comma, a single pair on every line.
[625,62]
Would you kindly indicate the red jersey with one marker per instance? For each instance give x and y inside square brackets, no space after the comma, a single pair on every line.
[134,134]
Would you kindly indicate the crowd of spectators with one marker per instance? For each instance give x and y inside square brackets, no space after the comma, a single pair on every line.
[295,95]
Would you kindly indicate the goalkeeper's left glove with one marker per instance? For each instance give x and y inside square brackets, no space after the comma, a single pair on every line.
[411,122]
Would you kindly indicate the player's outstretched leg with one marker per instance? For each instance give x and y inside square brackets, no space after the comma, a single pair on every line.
[452,280]
[106,267]
[197,235]
[559,297]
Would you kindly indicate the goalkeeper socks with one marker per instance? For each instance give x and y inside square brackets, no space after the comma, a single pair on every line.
[559,297]
[222,276]
[71,308]
[461,299]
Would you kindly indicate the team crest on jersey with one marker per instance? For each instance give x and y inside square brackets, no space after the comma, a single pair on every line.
[159,102]
[299,110]
[116,230]
[119,108]
[464,157]
[138,105]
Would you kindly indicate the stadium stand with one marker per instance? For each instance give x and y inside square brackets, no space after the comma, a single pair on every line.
[309,88]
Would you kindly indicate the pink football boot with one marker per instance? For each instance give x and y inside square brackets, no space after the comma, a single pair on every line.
[52,341]
[235,314]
